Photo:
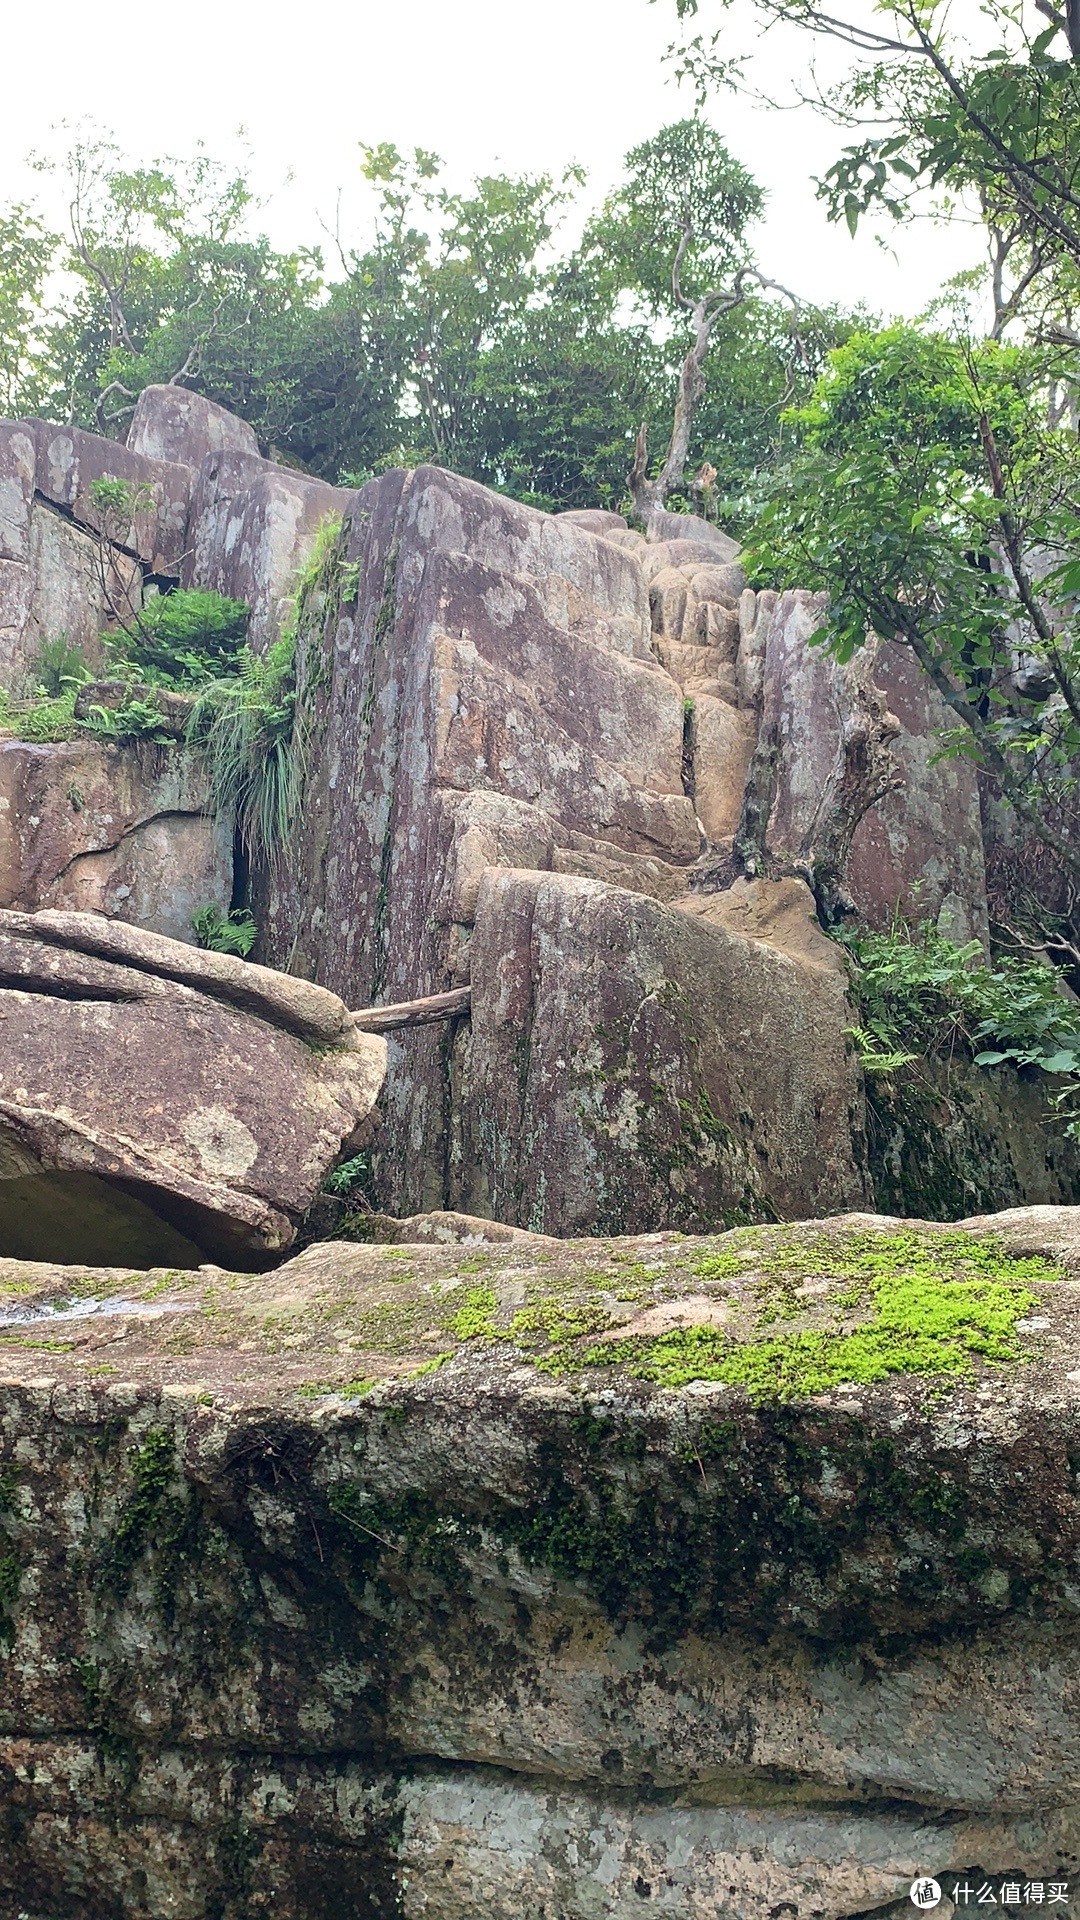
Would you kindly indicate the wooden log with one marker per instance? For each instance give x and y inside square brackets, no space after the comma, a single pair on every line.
[413,1013]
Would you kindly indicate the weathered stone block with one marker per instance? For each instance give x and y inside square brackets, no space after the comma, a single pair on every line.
[533,1640]
[216,1093]
[630,1063]
[78,587]
[687,553]
[489,651]
[69,461]
[922,847]
[17,459]
[923,843]
[722,742]
[594,520]
[172,423]
[16,583]
[251,528]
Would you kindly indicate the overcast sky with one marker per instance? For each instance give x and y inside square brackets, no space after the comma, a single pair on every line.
[485,83]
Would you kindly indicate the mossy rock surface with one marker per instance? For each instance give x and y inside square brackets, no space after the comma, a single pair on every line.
[778,1313]
[772,1535]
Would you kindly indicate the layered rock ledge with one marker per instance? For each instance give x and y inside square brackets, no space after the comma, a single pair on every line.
[165,1103]
[663,1575]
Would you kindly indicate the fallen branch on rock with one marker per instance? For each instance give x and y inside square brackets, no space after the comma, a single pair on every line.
[413,1013]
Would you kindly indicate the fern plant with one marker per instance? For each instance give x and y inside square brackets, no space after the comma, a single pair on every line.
[919,994]
[218,932]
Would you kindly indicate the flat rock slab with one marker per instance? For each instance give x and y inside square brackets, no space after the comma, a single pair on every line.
[397,1577]
[213,1095]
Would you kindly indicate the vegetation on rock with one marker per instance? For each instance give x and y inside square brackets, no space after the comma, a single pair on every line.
[934,504]
[183,638]
[220,932]
[920,994]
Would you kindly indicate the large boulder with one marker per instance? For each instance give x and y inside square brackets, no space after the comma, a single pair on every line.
[215,1094]
[634,1063]
[172,423]
[69,461]
[252,527]
[438,1580]
[59,574]
[483,692]
[918,850]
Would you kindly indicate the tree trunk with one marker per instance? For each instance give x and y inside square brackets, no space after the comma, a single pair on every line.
[862,773]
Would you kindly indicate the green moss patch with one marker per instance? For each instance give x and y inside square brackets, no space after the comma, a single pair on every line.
[777,1312]
[920,1304]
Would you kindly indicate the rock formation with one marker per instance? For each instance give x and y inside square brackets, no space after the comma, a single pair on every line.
[582,770]
[158,1103]
[403,1582]
[483,1569]
[124,831]
[134,842]
[502,693]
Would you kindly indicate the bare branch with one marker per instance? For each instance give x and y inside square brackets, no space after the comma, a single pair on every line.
[413,1013]
[114,386]
[685,238]
[648,495]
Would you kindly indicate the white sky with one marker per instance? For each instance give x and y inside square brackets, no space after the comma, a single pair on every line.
[488,84]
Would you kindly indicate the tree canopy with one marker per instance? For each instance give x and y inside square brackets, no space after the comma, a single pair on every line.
[460,330]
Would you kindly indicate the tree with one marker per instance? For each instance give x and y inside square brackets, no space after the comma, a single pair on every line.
[459,332]
[936,506]
[997,122]
[683,182]
[27,250]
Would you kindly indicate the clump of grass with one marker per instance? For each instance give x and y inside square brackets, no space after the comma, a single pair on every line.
[245,728]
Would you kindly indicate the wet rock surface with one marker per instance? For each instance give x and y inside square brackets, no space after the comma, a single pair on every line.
[405,1580]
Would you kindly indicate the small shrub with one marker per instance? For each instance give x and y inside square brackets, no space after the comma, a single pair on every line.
[350,1175]
[118,502]
[134,719]
[921,994]
[59,666]
[218,932]
[184,638]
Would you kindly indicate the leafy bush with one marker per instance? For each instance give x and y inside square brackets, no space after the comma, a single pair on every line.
[117,502]
[134,719]
[218,932]
[351,1174]
[920,994]
[183,638]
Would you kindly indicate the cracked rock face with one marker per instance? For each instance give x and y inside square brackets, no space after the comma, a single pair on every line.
[146,1087]
[121,831]
[367,1588]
